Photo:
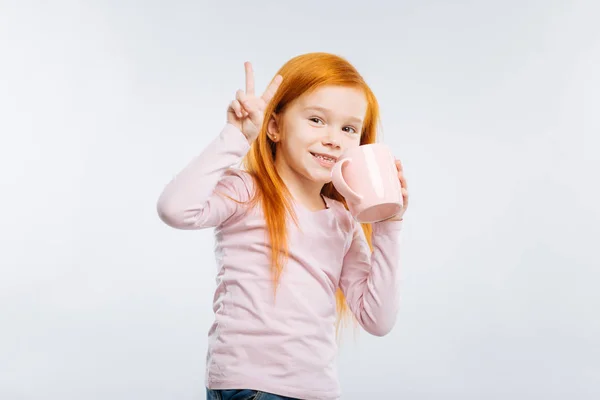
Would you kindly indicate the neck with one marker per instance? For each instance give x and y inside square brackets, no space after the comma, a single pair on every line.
[304,191]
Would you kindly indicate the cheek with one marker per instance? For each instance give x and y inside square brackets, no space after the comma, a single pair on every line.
[298,143]
[293,150]
[351,142]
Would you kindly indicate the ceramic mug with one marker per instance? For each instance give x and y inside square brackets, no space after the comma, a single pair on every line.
[368,179]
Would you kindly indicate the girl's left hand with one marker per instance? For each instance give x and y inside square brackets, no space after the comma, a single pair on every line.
[404,186]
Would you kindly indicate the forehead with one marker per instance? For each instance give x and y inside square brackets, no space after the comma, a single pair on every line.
[343,101]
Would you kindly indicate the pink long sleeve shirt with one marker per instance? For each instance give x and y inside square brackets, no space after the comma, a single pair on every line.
[285,344]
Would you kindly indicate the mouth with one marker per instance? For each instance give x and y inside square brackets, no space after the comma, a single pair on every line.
[326,158]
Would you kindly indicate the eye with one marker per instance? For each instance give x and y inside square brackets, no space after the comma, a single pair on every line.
[351,127]
[315,119]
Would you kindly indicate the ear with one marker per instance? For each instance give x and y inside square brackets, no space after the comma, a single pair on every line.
[273,130]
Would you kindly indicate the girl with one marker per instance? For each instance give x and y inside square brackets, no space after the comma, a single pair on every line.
[287,248]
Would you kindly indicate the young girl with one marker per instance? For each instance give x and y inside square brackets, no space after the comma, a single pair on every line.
[287,248]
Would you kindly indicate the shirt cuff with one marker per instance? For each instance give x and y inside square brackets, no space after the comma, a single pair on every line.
[233,134]
[388,226]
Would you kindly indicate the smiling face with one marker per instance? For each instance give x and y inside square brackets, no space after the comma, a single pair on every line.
[314,131]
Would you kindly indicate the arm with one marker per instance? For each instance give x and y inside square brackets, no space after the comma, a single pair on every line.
[197,197]
[370,281]
[191,201]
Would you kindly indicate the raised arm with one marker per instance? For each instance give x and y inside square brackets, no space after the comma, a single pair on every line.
[200,196]
[370,281]
[203,194]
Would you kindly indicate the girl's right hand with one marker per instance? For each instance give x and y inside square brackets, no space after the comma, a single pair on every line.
[247,111]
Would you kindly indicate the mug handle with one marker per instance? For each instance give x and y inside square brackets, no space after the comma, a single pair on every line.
[340,184]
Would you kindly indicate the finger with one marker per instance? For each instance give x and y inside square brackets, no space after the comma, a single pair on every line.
[241,97]
[402,180]
[245,102]
[399,165]
[272,88]
[400,169]
[237,108]
[249,79]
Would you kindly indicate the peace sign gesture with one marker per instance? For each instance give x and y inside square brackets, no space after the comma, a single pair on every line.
[246,112]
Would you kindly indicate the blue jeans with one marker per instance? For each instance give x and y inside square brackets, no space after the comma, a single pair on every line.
[242,394]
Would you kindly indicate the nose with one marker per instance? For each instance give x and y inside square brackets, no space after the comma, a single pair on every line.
[331,140]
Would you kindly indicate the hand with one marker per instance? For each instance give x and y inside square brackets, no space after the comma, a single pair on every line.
[246,112]
[404,186]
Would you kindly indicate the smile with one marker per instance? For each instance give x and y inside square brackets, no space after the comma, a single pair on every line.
[324,159]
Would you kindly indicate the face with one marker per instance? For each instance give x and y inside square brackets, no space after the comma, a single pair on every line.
[315,130]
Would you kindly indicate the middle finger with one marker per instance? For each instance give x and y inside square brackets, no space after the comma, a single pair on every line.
[272,89]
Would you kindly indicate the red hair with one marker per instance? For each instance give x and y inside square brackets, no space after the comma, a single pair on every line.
[301,75]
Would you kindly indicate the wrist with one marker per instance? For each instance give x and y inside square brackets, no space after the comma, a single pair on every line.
[241,132]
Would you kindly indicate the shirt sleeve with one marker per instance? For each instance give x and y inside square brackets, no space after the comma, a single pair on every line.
[200,196]
[370,280]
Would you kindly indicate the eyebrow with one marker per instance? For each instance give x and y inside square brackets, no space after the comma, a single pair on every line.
[326,110]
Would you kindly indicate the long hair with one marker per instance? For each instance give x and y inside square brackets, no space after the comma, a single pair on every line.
[301,75]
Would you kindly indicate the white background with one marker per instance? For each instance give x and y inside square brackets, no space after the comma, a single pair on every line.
[493,107]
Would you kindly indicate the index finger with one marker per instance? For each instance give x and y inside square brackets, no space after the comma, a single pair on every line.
[249,78]
[272,88]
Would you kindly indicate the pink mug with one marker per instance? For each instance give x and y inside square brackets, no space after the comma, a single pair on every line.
[368,179]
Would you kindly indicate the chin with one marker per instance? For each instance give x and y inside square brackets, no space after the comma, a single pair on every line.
[318,177]
[322,178]
[315,173]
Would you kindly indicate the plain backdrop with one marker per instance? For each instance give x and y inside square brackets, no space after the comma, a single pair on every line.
[493,107]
